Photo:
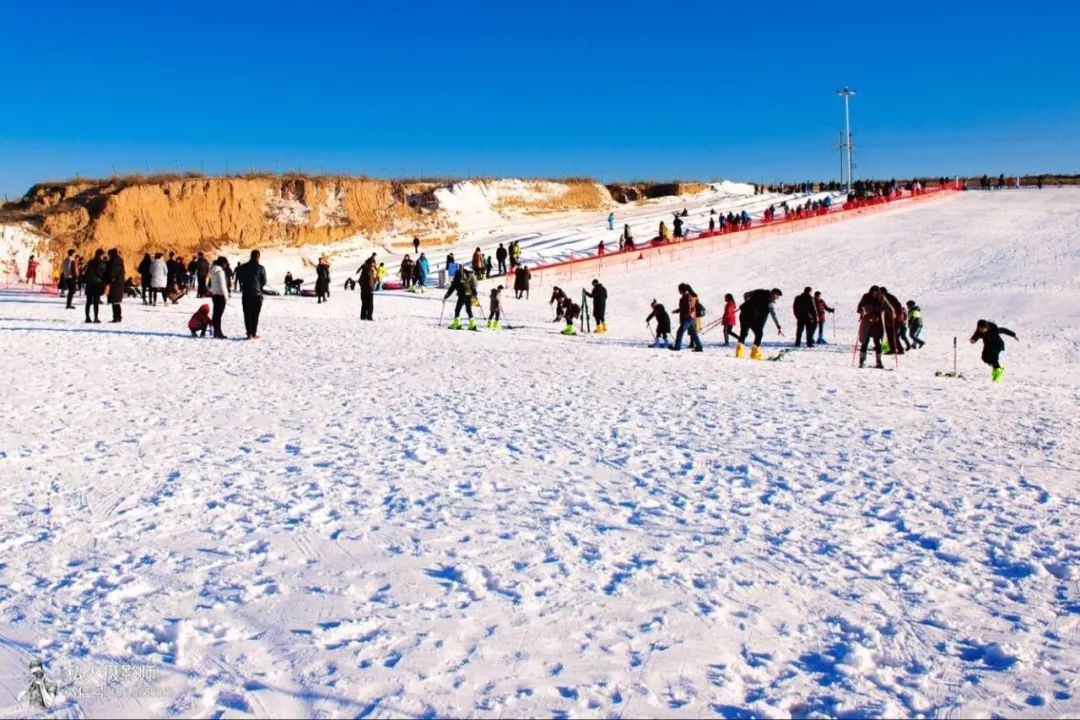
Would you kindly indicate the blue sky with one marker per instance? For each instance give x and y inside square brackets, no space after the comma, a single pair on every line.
[626,90]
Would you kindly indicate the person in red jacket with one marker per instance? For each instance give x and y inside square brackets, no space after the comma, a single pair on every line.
[728,319]
[200,321]
[822,308]
[31,271]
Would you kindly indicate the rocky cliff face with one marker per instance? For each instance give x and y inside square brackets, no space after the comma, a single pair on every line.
[190,214]
[186,214]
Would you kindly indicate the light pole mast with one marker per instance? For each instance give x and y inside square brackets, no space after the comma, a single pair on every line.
[840,147]
[846,93]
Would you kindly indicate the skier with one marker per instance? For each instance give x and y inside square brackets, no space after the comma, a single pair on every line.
[559,298]
[495,308]
[599,298]
[500,258]
[805,317]
[571,310]
[822,308]
[114,276]
[914,318]
[875,314]
[611,221]
[728,319]
[757,307]
[687,319]
[200,321]
[897,320]
[993,346]
[663,324]
[94,283]
[464,285]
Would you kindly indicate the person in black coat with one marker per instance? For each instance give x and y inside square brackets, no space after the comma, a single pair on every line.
[756,309]
[663,324]
[115,276]
[322,280]
[805,310]
[500,257]
[94,283]
[144,277]
[252,278]
[599,306]
[993,346]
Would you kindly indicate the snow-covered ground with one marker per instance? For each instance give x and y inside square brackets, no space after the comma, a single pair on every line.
[389,518]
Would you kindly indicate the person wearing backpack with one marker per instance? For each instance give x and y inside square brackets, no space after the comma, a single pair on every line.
[687,316]
[464,285]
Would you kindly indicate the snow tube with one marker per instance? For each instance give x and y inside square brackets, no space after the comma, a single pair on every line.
[392,286]
[307,292]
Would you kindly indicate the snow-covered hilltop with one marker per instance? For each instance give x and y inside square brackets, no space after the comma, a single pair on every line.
[395,519]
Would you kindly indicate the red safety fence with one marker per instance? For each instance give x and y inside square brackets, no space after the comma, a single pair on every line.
[794,221]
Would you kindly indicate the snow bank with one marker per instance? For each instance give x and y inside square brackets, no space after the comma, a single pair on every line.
[350,518]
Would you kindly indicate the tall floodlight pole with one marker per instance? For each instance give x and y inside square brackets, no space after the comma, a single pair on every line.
[846,93]
[840,147]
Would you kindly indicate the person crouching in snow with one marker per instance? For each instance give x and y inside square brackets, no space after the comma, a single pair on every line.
[464,285]
[495,310]
[993,346]
[663,324]
[200,321]
[571,310]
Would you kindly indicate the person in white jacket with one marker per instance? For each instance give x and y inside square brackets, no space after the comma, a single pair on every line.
[159,278]
[219,293]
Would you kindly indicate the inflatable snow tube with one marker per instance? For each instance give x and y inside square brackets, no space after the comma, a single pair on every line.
[392,286]
[307,292]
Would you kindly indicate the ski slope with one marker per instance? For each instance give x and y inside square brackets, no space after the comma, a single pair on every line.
[392,519]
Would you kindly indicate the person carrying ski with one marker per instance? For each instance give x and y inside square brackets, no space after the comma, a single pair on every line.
[758,306]
[914,318]
[464,285]
[663,324]
[875,314]
[495,308]
[805,311]
[687,319]
[993,346]
[728,319]
[571,311]
[599,298]
[822,308]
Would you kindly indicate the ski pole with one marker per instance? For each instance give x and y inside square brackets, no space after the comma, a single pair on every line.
[441,312]
[855,347]
[954,356]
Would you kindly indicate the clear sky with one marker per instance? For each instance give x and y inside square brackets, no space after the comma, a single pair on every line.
[613,90]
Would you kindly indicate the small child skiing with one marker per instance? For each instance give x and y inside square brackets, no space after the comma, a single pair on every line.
[200,321]
[729,318]
[914,319]
[663,324]
[993,346]
[570,312]
[495,309]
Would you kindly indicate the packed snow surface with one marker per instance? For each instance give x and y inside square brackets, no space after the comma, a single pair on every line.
[393,519]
